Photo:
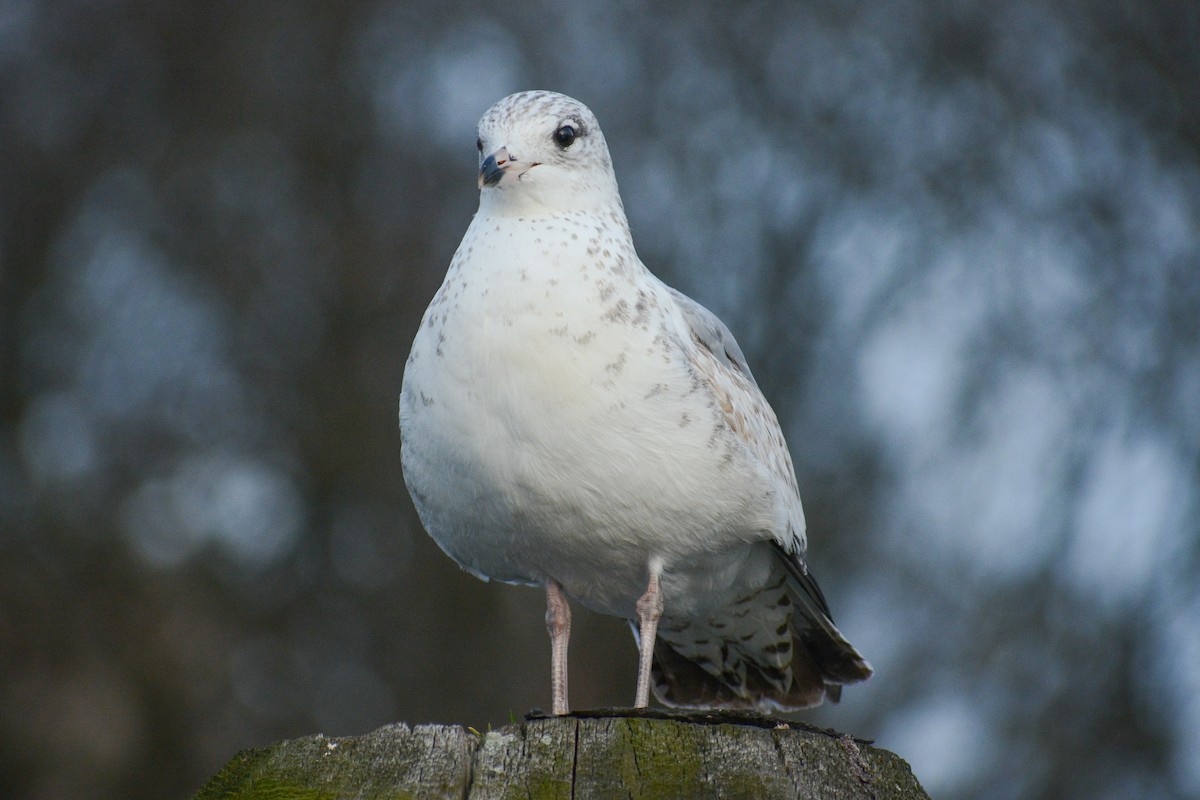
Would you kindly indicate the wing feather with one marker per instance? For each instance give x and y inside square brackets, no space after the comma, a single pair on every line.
[778,647]
[719,360]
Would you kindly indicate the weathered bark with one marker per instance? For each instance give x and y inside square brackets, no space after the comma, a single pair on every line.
[585,755]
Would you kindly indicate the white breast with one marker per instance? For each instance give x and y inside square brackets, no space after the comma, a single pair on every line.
[551,427]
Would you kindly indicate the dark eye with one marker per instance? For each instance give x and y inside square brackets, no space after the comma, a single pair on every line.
[479,144]
[565,136]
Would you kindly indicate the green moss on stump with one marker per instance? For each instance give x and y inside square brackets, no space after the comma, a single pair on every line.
[592,754]
[395,762]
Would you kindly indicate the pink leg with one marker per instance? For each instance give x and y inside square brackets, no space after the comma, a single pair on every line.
[558,623]
[649,611]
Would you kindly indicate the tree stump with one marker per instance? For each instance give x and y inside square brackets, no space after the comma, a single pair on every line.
[648,754]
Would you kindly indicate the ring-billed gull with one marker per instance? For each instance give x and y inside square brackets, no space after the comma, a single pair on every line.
[570,421]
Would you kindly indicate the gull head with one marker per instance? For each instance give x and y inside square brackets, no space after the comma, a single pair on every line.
[543,150]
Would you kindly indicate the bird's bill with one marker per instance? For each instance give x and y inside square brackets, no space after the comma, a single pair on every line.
[499,164]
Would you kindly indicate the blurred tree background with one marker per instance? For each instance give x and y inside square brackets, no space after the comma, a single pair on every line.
[958,241]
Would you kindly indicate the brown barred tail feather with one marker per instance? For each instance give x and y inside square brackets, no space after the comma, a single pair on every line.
[775,649]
